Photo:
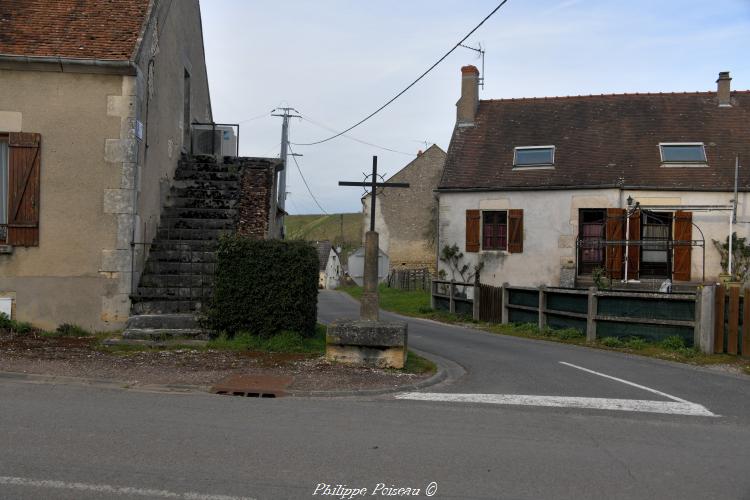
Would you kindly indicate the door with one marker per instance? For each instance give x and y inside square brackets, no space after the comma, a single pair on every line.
[591,239]
[656,233]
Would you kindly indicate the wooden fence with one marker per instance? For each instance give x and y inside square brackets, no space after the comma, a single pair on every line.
[732,321]
[603,313]
[410,279]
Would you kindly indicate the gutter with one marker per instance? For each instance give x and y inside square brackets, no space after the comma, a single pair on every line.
[67,65]
[573,187]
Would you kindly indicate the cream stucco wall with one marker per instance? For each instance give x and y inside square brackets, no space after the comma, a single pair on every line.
[551,227]
[61,280]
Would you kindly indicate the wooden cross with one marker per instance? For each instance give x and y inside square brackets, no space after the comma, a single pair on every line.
[373,185]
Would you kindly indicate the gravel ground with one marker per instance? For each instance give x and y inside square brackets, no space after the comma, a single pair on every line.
[81,357]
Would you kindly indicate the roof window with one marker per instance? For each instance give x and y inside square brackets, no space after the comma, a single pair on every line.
[682,152]
[534,156]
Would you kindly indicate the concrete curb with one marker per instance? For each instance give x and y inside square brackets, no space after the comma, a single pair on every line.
[442,374]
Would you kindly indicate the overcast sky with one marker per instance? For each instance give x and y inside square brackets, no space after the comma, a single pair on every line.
[336,61]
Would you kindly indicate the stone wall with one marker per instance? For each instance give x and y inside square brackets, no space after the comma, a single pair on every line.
[256,201]
[406,218]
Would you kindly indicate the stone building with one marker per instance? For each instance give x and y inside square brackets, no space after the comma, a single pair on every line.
[406,218]
[96,102]
[550,191]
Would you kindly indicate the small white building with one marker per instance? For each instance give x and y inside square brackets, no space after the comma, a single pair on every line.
[548,191]
[330,269]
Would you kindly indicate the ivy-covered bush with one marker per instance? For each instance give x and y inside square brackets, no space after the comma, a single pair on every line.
[265,287]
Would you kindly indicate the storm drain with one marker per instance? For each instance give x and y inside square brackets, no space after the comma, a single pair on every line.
[253,386]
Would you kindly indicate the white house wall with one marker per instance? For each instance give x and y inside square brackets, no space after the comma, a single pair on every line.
[550,228]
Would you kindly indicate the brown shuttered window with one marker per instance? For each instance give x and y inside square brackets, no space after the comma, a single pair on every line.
[615,232]
[472,230]
[683,232]
[24,160]
[515,231]
[634,251]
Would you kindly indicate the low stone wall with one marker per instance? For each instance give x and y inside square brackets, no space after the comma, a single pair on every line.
[382,344]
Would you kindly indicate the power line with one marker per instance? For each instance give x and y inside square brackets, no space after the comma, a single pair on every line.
[411,84]
[353,138]
[294,157]
[255,117]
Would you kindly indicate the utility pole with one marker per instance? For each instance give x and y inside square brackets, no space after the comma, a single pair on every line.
[285,113]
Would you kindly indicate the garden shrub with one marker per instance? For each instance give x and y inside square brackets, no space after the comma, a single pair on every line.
[265,287]
[611,342]
[673,343]
[71,330]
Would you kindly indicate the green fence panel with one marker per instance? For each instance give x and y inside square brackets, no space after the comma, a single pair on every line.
[653,333]
[631,307]
[524,297]
[516,316]
[464,308]
[560,322]
[567,302]
[442,304]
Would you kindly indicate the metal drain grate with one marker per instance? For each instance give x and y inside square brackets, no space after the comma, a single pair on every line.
[253,386]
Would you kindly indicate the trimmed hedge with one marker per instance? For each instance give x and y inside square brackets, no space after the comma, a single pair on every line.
[265,287]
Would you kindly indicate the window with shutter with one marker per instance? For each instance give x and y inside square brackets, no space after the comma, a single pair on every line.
[472,230]
[24,175]
[683,235]
[494,230]
[515,231]
[615,233]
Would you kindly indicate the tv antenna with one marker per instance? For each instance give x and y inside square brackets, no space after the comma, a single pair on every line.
[480,51]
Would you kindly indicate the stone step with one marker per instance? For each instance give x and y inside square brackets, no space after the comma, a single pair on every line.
[177,280]
[181,268]
[207,175]
[206,185]
[166,306]
[206,193]
[181,256]
[162,334]
[177,321]
[145,293]
[206,166]
[185,245]
[171,223]
[188,233]
[198,213]
[218,202]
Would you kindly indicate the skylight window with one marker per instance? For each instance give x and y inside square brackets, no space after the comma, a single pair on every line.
[534,156]
[682,152]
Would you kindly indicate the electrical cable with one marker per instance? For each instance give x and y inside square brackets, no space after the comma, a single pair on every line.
[304,117]
[410,85]
[255,117]
[305,181]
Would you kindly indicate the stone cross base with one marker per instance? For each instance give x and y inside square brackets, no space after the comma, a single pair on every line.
[380,344]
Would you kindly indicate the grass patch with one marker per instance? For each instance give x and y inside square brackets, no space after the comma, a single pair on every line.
[285,342]
[419,365]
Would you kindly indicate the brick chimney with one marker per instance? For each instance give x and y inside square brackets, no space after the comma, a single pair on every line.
[466,107]
[723,89]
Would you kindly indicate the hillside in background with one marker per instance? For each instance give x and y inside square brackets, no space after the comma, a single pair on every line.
[327,227]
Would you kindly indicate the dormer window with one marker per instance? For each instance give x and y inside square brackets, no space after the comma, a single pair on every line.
[534,156]
[683,153]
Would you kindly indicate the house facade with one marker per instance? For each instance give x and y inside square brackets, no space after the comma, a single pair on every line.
[95,112]
[406,218]
[330,270]
[553,191]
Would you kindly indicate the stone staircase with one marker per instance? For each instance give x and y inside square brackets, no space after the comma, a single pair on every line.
[177,281]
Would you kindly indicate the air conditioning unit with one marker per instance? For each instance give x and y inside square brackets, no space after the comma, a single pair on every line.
[219,140]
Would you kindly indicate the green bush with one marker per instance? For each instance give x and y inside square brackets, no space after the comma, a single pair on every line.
[568,334]
[6,323]
[611,342]
[265,287]
[636,343]
[673,343]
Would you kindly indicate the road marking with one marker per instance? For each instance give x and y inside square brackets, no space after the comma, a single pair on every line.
[111,490]
[637,405]
[668,396]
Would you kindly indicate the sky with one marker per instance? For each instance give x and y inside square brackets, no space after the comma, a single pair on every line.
[337,61]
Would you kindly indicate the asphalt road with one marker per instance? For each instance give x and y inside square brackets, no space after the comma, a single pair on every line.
[67,441]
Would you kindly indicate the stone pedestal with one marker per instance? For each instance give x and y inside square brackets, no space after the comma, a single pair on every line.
[380,344]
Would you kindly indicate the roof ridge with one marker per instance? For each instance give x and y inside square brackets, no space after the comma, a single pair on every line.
[580,96]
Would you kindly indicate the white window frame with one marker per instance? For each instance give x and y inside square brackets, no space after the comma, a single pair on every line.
[672,163]
[533,165]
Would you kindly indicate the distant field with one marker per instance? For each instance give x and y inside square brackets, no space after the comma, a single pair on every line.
[325,227]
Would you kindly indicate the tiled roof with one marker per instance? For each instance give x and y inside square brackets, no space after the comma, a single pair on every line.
[77,29]
[324,251]
[604,140]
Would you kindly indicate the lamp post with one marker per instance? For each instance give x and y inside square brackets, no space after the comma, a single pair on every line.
[628,213]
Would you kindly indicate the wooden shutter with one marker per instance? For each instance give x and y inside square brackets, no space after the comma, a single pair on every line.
[615,232]
[634,252]
[683,231]
[515,231]
[23,188]
[473,218]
